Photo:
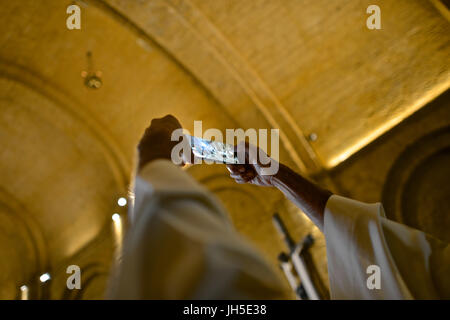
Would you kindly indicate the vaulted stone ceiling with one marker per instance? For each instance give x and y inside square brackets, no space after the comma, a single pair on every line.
[303,66]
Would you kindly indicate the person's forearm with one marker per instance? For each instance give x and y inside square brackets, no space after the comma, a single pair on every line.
[309,197]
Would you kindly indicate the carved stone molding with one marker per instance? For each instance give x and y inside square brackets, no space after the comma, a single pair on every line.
[68,104]
[416,190]
[98,174]
[184,32]
[22,234]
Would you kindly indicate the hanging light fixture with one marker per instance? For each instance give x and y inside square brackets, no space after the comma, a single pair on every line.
[92,79]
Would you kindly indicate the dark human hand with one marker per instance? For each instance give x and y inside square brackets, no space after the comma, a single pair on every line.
[253,170]
[156,142]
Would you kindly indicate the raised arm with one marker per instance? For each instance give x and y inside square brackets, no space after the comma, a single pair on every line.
[306,195]
[181,244]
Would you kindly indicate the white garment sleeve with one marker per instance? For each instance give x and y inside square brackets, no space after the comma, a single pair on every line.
[181,245]
[412,264]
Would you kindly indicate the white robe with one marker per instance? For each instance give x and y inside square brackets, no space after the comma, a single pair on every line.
[181,245]
[412,264]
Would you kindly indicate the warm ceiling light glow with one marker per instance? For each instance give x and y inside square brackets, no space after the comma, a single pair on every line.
[117,224]
[24,292]
[122,202]
[389,124]
[45,277]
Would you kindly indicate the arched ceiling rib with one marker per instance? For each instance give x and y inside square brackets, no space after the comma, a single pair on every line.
[192,39]
[307,66]
[67,151]
[304,66]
